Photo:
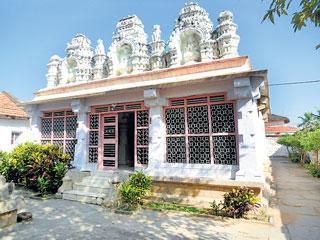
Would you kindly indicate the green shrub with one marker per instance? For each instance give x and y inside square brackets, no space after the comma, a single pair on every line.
[294,157]
[42,185]
[9,168]
[236,203]
[313,169]
[132,191]
[29,161]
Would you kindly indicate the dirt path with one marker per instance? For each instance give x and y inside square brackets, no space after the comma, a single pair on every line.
[297,200]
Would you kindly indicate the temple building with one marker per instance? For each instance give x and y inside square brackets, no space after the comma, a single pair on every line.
[187,108]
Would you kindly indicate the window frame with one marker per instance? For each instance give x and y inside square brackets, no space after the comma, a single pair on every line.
[210,134]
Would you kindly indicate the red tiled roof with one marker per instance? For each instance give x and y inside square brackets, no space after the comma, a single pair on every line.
[9,106]
[280,129]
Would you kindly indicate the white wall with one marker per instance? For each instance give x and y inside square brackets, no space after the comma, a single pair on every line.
[244,92]
[275,149]
[7,126]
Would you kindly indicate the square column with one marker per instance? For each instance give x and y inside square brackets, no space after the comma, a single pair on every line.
[157,129]
[251,141]
[81,148]
[34,133]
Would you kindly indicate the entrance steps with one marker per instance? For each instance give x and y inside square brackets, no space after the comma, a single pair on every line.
[94,187]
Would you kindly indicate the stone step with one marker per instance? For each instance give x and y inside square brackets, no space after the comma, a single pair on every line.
[104,189]
[103,179]
[86,197]
[110,173]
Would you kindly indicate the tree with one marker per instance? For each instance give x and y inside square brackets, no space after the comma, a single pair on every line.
[310,121]
[311,142]
[308,11]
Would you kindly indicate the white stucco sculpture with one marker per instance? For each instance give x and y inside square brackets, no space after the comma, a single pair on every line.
[192,40]
[99,61]
[157,49]
[129,51]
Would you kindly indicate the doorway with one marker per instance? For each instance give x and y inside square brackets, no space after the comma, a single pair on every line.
[126,140]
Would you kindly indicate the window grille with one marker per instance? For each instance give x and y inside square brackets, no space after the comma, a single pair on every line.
[201,130]
[142,137]
[59,128]
[93,137]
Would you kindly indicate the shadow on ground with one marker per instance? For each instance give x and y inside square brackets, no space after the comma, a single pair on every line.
[61,219]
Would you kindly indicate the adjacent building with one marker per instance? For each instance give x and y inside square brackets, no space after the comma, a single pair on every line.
[275,127]
[14,122]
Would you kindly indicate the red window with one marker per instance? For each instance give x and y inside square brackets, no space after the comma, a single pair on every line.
[59,128]
[201,130]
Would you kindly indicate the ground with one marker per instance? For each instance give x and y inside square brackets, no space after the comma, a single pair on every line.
[297,201]
[296,211]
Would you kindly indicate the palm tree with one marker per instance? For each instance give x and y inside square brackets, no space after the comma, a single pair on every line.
[310,120]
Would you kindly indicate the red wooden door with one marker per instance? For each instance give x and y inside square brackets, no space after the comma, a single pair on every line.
[109,137]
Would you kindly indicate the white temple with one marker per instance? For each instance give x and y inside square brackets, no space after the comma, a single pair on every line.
[187,108]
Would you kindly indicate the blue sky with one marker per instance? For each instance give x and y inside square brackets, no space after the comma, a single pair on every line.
[33,30]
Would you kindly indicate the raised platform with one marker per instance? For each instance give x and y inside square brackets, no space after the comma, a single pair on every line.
[197,191]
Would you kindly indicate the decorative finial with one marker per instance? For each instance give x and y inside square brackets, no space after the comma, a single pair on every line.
[156,34]
[100,48]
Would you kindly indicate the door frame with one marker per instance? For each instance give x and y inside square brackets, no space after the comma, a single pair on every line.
[115,109]
[108,141]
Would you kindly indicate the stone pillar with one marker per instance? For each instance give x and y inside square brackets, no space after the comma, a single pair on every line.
[34,133]
[81,148]
[157,129]
[249,130]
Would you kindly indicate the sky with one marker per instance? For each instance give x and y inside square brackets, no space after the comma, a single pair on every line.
[31,31]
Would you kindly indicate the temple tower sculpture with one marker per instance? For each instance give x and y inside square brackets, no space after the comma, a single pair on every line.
[191,40]
[226,35]
[53,71]
[77,67]
[99,60]
[157,49]
[128,52]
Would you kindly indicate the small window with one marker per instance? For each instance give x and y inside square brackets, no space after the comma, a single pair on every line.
[14,137]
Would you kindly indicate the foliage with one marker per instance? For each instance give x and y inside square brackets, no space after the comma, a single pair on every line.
[294,157]
[175,207]
[27,162]
[8,167]
[310,120]
[314,169]
[237,203]
[216,207]
[42,185]
[311,140]
[308,11]
[294,146]
[133,191]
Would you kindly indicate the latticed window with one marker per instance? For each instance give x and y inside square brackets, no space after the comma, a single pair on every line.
[59,128]
[142,137]
[201,130]
[93,137]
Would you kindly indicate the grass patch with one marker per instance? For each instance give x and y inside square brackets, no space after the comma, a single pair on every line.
[257,215]
[176,207]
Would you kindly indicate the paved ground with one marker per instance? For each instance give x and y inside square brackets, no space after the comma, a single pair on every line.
[297,201]
[60,219]
[296,209]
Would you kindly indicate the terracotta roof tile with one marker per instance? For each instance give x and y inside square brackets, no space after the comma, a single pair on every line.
[280,129]
[9,106]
